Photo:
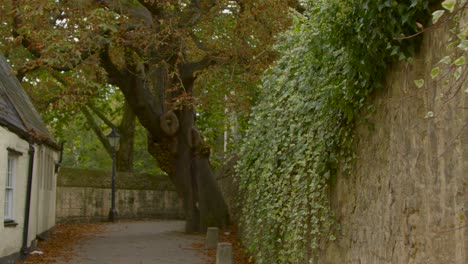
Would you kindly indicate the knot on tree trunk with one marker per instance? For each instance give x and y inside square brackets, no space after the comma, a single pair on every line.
[169,123]
[197,143]
[194,138]
[163,155]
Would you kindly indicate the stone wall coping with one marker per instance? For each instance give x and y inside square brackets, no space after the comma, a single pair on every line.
[72,177]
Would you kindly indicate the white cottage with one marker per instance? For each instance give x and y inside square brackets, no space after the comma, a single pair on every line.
[28,155]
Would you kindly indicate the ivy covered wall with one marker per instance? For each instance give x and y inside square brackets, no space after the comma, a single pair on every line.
[406,198]
[303,136]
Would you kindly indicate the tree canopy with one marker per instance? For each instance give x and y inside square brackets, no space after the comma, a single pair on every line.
[155,52]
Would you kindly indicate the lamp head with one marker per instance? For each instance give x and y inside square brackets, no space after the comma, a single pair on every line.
[113,138]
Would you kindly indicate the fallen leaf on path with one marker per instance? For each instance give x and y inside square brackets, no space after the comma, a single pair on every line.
[229,235]
[61,241]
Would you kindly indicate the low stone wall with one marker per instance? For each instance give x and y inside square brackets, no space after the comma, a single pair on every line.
[85,196]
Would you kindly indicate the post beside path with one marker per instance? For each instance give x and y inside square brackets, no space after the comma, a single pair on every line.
[212,235]
[224,253]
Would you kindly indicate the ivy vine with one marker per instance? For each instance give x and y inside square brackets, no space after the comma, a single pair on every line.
[302,132]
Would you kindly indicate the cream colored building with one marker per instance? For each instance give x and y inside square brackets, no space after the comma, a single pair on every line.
[28,158]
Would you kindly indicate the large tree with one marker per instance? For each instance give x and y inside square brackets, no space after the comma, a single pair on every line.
[154,51]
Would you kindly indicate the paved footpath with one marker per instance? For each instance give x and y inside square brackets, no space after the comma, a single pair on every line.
[158,242]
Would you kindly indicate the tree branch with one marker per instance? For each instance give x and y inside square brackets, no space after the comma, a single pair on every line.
[101,116]
[36,50]
[188,70]
[130,8]
[198,42]
[196,10]
[296,5]
[94,126]
[136,94]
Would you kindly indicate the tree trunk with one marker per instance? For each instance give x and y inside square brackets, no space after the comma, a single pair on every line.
[180,152]
[204,203]
[124,156]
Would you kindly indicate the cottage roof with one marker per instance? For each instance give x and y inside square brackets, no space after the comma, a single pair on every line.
[17,113]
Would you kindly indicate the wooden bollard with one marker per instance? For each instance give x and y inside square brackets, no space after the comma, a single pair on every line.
[224,253]
[211,237]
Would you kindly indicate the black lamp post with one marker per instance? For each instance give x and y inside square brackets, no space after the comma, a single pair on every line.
[113,138]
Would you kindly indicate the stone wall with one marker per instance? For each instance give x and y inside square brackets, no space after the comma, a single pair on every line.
[228,183]
[407,198]
[85,195]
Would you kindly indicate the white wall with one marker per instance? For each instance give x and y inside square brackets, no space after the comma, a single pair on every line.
[43,196]
[11,237]
[42,217]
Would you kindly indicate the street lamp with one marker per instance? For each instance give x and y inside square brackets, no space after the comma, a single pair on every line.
[113,138]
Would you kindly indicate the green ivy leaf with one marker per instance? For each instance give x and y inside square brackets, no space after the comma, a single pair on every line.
[436,16]
[457,73]
[419,83]
[452,44]
[460,61]
[434,73]
[446,60]
[463,45]
[462,35]
[429,114]
[449,5]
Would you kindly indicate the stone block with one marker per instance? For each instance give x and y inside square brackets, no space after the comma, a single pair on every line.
[224,253]
[212,235]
